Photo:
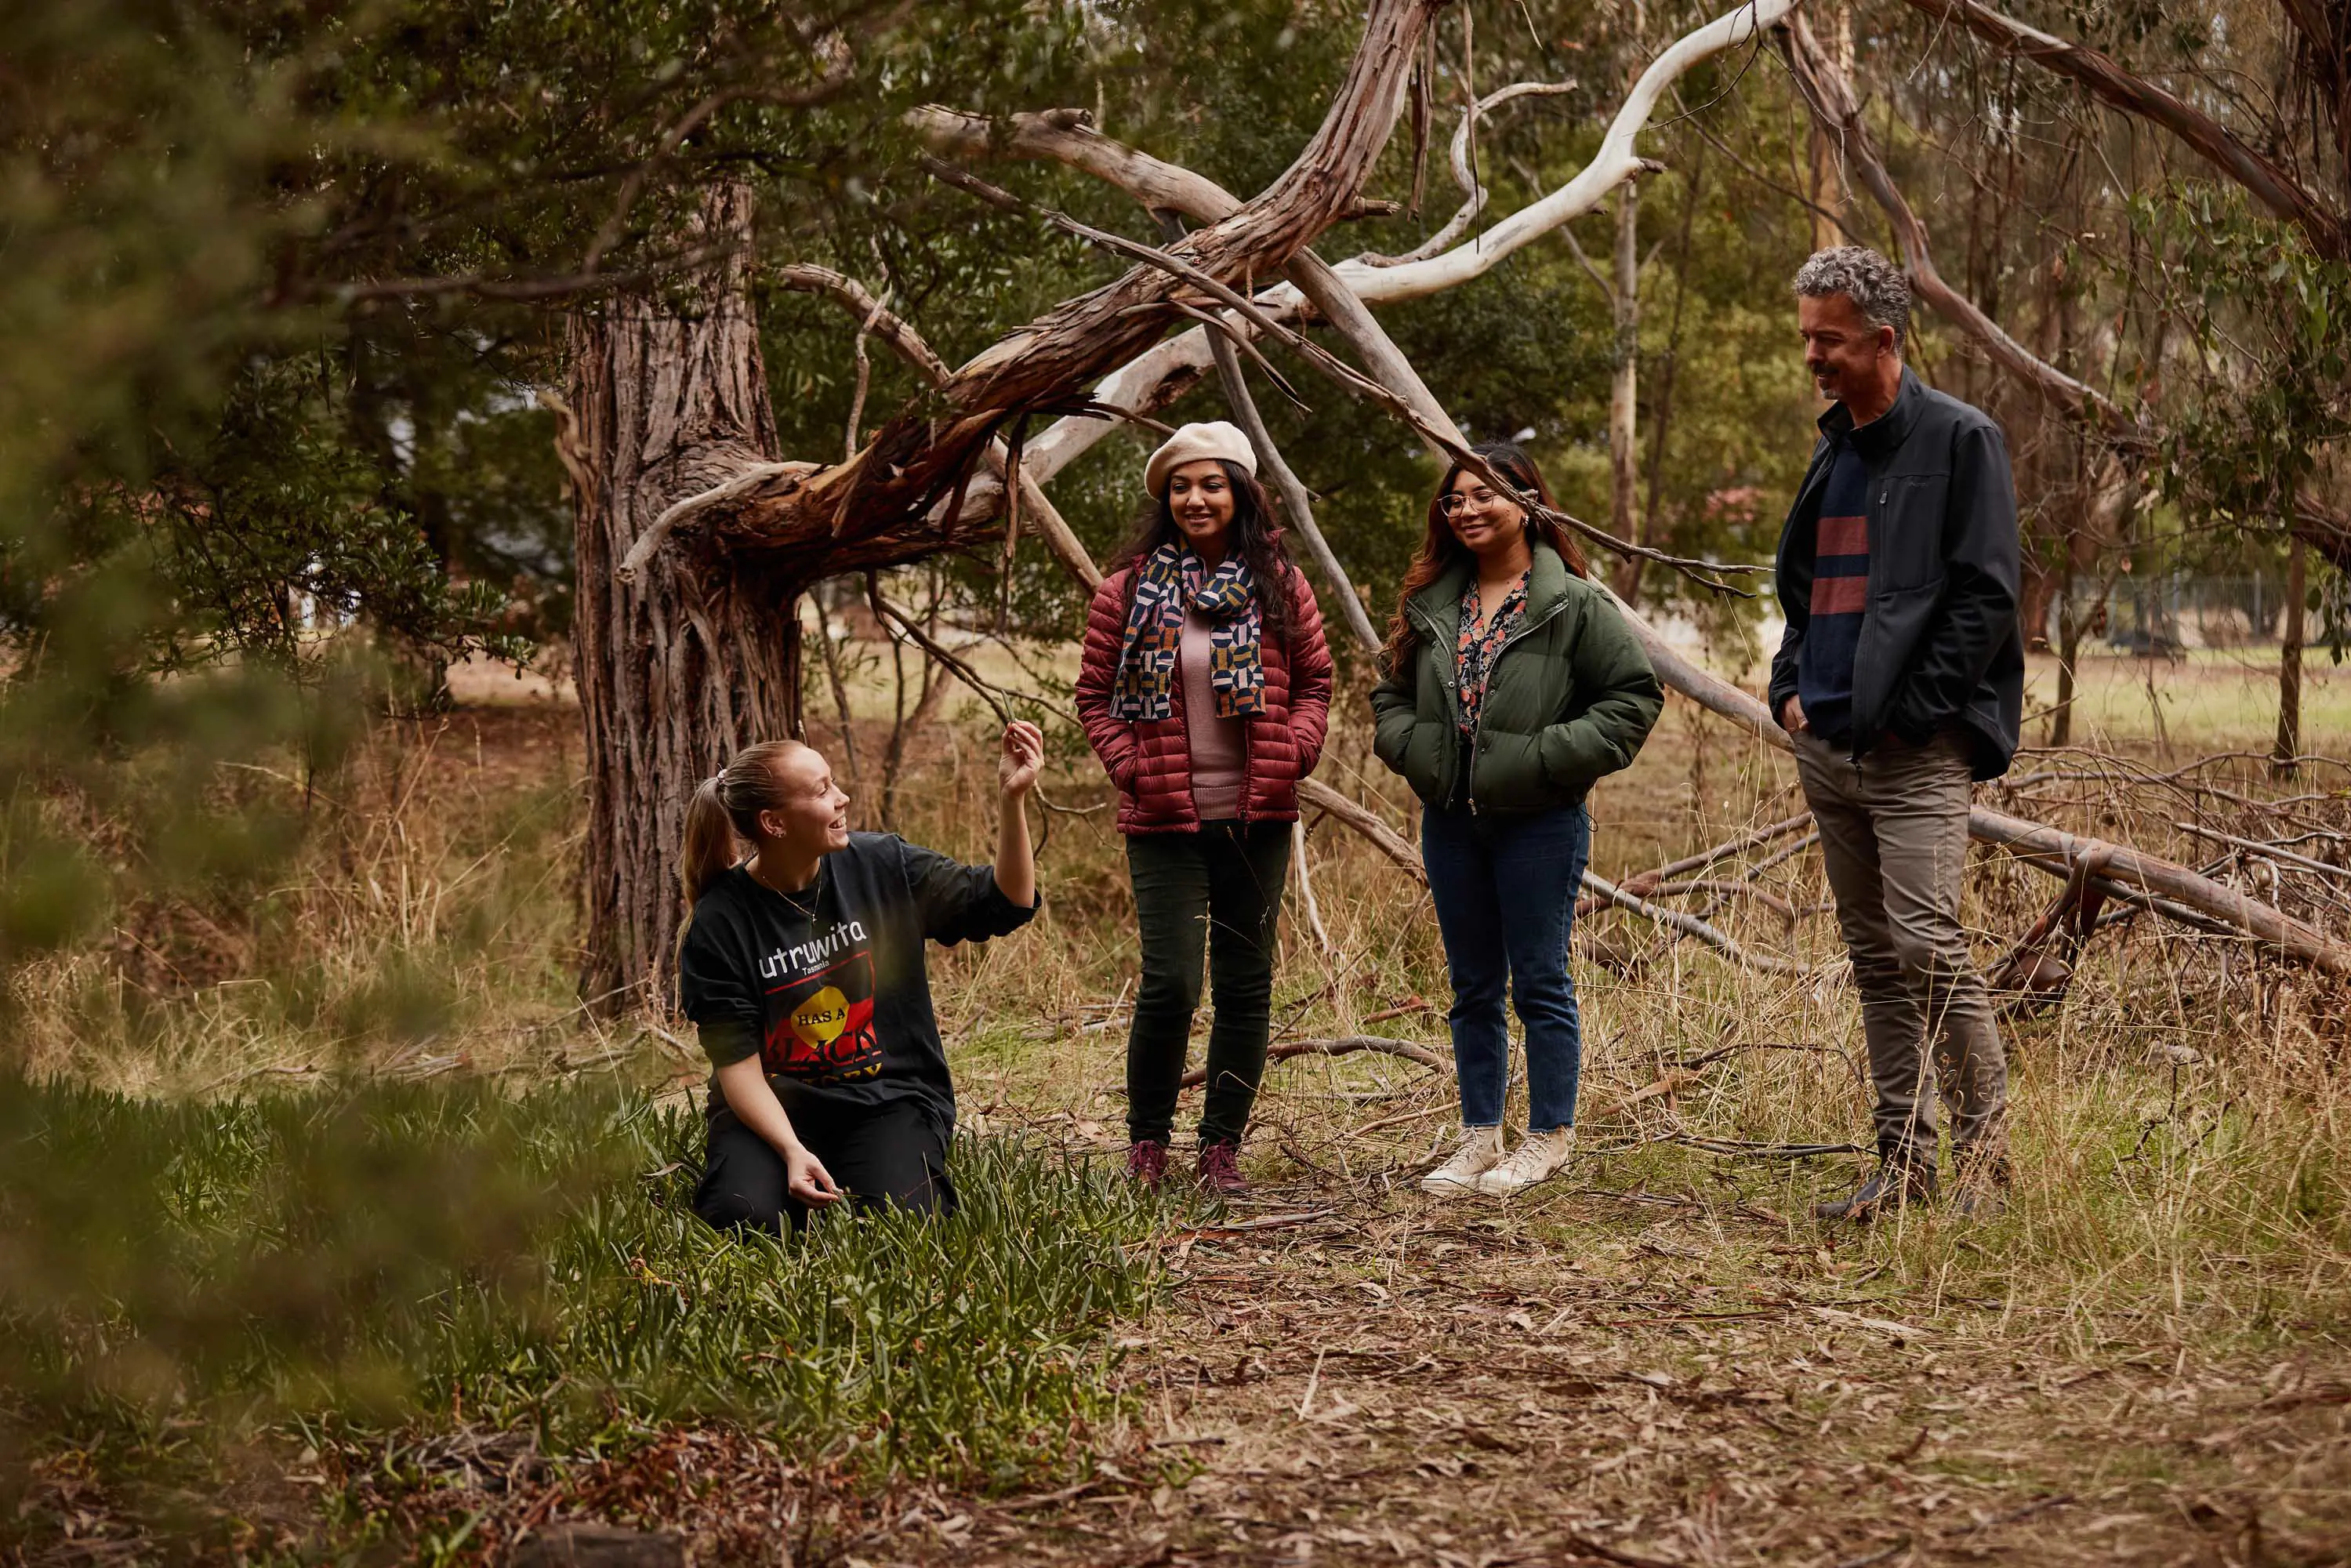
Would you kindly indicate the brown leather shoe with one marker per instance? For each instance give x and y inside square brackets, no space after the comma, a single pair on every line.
[1220,1170]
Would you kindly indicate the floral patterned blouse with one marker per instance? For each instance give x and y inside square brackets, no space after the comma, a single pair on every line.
[1480,643]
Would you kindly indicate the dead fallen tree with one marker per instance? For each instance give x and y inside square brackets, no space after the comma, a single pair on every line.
[2123,870]
[935,475]
[1157,183]
[696,535]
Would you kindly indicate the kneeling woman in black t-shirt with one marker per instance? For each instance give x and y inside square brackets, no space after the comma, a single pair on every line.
[803,966]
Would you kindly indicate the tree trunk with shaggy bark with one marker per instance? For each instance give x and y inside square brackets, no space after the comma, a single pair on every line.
[684,662]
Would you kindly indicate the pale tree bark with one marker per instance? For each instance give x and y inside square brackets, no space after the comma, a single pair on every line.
[885,506]
[697,656]
[1153,378]
[1828,193]
[1624,393]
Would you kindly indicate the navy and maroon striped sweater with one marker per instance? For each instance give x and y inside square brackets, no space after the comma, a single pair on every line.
[1840,598]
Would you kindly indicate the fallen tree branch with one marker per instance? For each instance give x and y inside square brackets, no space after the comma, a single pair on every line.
[1641,884]
[1034,508]
[2128,868]
[1722,889]
[1294,499]
[1697,570]
[1306,889]
[751,477]
[1387,840]
[882,507]
[1345,1045]
[1463,175]
[1691,926]
[889,614]
[1340,292]
[2269,851]
[854,296]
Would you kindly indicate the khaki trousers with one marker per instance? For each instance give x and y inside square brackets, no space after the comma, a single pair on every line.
[1894,831]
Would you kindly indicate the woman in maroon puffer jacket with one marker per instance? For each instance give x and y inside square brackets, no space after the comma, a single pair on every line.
[1206,690]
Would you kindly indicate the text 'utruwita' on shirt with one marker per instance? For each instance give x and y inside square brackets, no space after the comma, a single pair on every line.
[829,988]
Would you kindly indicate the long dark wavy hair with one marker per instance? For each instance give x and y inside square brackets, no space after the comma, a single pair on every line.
[1256,535]
[1442,548]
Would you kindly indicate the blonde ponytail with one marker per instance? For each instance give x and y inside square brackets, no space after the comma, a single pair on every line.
[726,807]
[709,842]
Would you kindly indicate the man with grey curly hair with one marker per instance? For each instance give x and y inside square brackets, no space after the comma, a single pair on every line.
[1900,680]
[1875,284]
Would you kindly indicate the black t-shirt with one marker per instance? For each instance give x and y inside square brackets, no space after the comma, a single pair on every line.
[837,1007]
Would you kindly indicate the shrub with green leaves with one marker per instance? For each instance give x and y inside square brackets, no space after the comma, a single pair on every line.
[179,1278]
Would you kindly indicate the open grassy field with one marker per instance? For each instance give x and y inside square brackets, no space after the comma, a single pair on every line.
[394,1261]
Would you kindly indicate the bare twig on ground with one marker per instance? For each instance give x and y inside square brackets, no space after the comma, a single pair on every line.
[1346,1045]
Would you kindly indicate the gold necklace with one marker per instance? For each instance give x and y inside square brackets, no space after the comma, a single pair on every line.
[814,893]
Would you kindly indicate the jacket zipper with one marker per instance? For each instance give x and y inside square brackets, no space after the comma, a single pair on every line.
[1526,629]
[1869,593]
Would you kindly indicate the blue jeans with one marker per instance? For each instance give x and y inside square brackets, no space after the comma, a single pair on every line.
[1505,893]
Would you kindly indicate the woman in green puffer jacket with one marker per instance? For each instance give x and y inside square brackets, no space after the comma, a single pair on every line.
[1512,685]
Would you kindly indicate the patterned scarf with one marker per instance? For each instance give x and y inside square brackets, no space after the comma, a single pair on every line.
[1168,581]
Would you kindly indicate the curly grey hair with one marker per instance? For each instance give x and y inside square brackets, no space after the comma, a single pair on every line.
[1873,282]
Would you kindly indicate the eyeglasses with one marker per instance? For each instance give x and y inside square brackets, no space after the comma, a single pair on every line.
[1453,502]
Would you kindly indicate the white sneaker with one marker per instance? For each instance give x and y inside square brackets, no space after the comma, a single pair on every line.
[1479,1151]
[1538,1157]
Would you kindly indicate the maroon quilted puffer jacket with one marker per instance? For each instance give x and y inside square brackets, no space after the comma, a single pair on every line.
[1151,761]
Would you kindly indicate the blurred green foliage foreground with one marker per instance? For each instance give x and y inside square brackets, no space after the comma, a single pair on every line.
[187,1289]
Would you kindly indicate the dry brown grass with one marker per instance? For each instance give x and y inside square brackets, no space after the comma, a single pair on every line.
[1660,1358]
[1665,1357]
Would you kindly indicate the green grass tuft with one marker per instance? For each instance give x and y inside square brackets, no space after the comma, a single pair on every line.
[178,1280]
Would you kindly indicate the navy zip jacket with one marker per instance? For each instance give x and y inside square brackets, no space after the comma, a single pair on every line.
[1940,640]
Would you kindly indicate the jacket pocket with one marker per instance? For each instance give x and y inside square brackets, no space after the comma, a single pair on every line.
[1507,773]
[1907,545]
[1898,618]
[1422,764]
[1391,735]
[1575,756]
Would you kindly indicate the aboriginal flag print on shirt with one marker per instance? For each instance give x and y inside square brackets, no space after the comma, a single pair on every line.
[832,993]
[819,1025]
[1840,599]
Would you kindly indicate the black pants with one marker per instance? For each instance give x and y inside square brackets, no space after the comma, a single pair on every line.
[1215,892]
[893,1155]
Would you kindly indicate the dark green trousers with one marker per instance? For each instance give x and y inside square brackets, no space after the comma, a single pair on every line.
[1215,893]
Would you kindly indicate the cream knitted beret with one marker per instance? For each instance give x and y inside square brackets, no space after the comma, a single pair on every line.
[1218,438]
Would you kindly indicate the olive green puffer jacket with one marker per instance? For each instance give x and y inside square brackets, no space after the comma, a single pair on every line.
[1570,699]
